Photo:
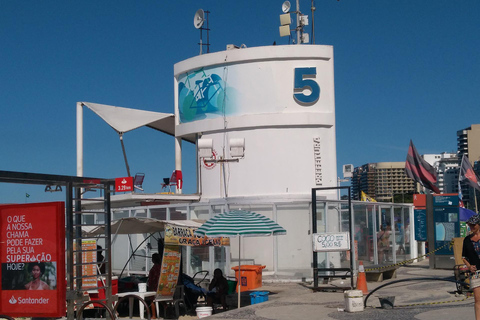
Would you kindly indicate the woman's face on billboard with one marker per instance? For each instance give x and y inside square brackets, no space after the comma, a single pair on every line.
[36,273]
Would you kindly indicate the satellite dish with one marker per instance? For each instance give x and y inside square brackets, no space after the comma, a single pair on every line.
[199,18]
[286,6]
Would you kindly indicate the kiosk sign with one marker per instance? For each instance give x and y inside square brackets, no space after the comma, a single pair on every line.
[33,260]
[329,241]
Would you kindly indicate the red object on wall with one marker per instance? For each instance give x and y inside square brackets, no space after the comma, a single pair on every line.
[33,237]
[420,200]
[176,179]
[178,175]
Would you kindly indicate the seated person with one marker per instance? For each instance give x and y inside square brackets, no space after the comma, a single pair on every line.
[153,277]
[191,290]
[218,290]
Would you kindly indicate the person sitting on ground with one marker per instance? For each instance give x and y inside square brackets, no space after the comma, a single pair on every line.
[218,290]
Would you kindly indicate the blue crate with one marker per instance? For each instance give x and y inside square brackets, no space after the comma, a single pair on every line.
[258,297]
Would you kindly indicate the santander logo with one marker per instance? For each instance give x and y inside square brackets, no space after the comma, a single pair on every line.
[29,300]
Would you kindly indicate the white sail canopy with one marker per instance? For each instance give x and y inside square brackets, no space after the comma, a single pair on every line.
[126,119]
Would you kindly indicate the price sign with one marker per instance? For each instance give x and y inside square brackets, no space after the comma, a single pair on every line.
[124,184]
[323,242]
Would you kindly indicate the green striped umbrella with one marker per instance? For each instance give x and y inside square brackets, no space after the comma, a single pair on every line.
[242,224]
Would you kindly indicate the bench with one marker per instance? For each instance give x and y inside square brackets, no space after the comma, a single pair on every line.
[378,273]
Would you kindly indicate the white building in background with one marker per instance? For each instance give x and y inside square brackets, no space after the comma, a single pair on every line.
[264,121]
[446,165]
[277,103]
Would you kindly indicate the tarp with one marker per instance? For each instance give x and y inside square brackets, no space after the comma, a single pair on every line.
[138,225]
[127,119]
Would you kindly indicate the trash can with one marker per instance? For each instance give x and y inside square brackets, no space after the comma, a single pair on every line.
[250,276]
[232,285]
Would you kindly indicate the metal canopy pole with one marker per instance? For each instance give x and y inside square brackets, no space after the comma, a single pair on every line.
[124,154]
[108,245]
[70,296]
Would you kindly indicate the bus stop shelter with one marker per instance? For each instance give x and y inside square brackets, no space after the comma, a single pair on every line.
[75,187]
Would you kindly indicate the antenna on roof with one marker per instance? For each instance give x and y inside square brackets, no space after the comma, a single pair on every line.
[198,21]
[285,22]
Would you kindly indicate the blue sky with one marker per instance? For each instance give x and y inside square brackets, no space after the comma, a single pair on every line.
[403,70]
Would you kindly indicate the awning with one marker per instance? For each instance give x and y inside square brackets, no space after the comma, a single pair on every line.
[127,119]
[138,225]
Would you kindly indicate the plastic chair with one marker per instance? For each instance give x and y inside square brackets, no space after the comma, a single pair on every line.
[176,179]
[173,179]
[176,301]
[138,181]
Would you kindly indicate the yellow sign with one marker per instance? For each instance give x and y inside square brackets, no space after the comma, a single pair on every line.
[170,270]
[184,236]
[89,271]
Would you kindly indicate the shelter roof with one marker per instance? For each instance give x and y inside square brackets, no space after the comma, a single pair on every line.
[136,225]
[126,119]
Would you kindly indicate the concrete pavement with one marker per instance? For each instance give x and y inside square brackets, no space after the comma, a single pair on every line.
[296,301]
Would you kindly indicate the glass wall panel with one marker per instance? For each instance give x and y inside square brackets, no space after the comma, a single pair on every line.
[118,214]
[321,228]
[361,232]
[385,241]
[200,212]
[371,243]
[254,250]
[399,228]
[288,256]
[178,213]
[158,213]
[140,213]
[220,259]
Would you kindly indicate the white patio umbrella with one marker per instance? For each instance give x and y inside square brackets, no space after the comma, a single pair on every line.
[240,223]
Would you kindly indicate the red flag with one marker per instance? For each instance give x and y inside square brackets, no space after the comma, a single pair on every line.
[467,174]
[416,168]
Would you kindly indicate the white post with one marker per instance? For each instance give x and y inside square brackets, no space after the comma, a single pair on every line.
[79,139]
[298,21]
[178,140]
[239,267]
[374,226]
[411,236]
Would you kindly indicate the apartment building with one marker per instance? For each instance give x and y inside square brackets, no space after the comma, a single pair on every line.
[447,166]
[468,143]
[381,181]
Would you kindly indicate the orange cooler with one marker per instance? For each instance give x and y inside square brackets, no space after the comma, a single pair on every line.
[250,275]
